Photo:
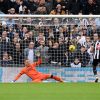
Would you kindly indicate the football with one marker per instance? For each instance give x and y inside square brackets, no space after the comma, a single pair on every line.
[72,48]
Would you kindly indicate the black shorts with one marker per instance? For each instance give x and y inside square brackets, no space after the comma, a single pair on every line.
[96,62]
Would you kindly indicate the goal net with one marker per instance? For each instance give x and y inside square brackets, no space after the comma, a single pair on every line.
[65,44]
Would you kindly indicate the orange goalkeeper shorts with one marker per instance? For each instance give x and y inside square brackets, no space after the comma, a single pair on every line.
[42,77]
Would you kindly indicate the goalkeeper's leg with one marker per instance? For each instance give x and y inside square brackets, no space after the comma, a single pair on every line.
[56,78]
[48,76]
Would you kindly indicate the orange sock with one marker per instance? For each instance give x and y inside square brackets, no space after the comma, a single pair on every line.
[57,78]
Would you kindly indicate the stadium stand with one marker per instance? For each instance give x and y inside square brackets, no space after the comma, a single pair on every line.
[54,7]
[24,37]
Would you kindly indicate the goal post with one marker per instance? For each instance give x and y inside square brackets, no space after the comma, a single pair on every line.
[65,43]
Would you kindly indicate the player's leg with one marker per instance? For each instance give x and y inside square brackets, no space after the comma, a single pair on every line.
[95,63]
[37,81]
[47,76]
[56,78]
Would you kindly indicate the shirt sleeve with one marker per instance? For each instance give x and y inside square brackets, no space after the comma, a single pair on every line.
[37,63]
[19,75]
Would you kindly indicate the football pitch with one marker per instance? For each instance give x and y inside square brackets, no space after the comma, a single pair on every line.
[50,91]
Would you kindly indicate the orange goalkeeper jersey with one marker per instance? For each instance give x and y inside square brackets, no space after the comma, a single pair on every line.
[31,71]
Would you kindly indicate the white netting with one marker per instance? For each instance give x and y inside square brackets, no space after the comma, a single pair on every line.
[23,36]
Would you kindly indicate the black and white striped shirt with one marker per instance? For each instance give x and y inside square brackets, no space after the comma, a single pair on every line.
[97,50]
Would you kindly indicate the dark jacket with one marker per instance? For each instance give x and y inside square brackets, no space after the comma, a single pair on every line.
[91,9]
[74,6]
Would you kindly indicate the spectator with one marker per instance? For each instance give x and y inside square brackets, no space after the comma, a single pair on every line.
[62,51]
[4,44]
[82,39]
[29,52]
[23,32]
[16,35]
[39,38]
[4,36]
[74,6]
[41,10]
[54,7]
[17,54]
[31,6]
[91,7]
[95,37]
[10,22]
[76,63]
[11,11]
[91,51]
[6,60]
[88,42]
[43,51]
[58,10]
[49,5]
[83,56]
[25,42]
[54,54]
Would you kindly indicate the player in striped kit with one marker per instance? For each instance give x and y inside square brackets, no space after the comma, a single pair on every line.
[96,58]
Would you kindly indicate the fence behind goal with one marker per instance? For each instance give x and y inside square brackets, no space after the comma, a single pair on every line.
[23,36]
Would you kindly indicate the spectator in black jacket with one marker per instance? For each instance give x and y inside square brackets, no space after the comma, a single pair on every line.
[83,56]
[17,54]
[91,7]
[54,53]
[74,6]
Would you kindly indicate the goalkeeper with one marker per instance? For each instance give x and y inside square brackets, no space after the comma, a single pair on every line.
[31,72]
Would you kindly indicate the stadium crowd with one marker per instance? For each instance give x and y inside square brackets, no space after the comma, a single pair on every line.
[19,41]
[54,7]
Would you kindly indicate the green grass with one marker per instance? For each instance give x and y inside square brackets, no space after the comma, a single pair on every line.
[50,91]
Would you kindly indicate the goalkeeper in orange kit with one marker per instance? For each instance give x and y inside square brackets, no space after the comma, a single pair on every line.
[31,72]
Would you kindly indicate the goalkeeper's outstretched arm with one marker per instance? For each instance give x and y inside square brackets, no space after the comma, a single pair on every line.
[18,76]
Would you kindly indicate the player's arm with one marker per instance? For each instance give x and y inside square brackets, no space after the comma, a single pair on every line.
[39,61]
[18,76]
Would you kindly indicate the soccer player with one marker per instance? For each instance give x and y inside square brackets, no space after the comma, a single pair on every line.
[30,71]
[96,58]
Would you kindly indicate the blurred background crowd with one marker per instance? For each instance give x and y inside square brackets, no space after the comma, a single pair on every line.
[51,38]
[54,7]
